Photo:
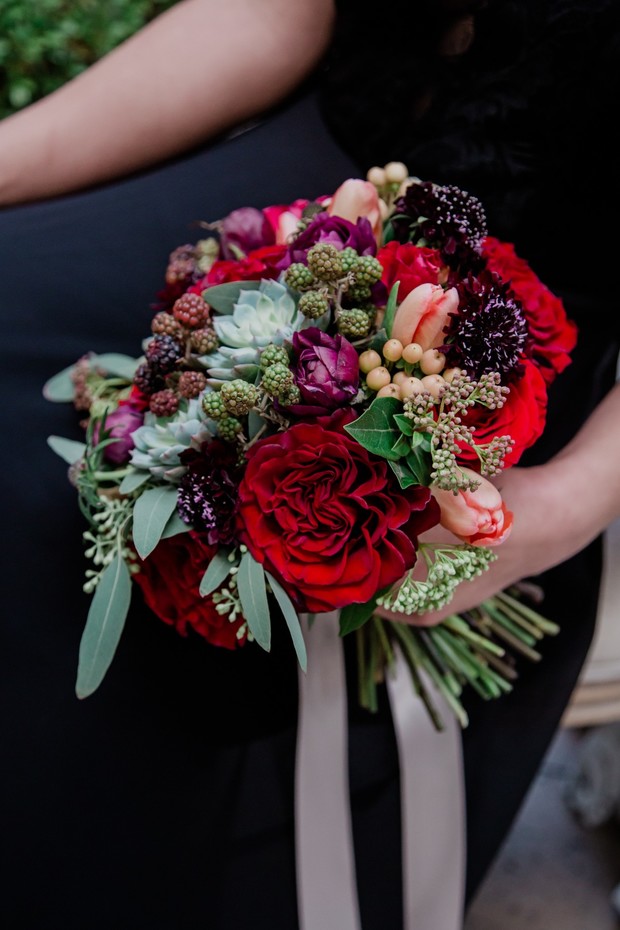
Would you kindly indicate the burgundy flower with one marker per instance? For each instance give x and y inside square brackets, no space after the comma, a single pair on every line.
[208,492]
[244,230]
[326,370]
[334,230]
[121,423]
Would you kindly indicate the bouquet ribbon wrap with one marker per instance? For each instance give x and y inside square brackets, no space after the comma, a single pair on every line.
[432,798]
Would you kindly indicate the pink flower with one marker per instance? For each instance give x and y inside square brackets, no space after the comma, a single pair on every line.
[357,198]
[423,315]
[477,517]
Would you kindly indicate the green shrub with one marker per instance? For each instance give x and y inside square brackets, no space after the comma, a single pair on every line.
[44,43]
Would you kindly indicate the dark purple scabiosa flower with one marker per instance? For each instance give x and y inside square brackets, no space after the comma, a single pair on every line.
[244,230]
[207,497]
[444,218]
[489,332]
[326,371]
[333,230]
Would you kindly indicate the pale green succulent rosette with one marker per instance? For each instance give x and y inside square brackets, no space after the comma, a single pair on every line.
[160,441]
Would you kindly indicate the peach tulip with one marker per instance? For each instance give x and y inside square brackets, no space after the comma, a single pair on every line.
[423,315]
[355,198]
[477,517]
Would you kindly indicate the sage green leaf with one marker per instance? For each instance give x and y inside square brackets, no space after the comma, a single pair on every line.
[375,429]
[223,297]
[401,447]
[253,596]
[104,625]
[355,615]
[404,424]
[151,513]
[68,449]
[113,363]
[60,388]
[390,310]
[175,526]
[292,620]
[406,477]
[217,570]
[255,423]
[134,480]
[419,461]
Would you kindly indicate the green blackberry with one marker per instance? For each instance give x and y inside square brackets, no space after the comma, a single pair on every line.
[324,261]
[238,396]
[298,277]
[354,323]
[272,354]
[276,379]
[368,271]
[213,405]
[228,428]
[313,304]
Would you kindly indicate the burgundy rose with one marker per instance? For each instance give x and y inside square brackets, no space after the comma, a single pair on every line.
[326,370]
[170,579]
[335,231]
[552,335]
[326,518]
[121,423]
[244,230]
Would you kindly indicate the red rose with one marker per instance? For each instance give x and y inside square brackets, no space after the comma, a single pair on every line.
[522,417]
[409,264]
[259,264]
[328,519]
[552,335]
[170,578]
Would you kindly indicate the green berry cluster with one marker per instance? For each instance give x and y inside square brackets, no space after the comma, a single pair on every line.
[354,323]
[277,379]
[238,397]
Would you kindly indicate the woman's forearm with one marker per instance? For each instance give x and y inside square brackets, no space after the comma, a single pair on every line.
[198,69]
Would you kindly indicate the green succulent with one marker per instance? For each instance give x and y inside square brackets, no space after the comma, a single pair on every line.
[160,441]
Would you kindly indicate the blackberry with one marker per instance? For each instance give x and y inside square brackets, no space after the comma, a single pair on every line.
[191,384]
[181,265]
[213,405]
[204,340]
[147,380]
[272,354]
[228,428]
[292,395]
[298,277]
[324,261]
[313,304]
[238,396]
[164,403]
[164,324]
[162,353]
[368,271]
[354,323]
[191,311]
[276,379]
[350,260]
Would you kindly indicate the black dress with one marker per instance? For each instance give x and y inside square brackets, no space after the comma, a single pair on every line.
[166,799]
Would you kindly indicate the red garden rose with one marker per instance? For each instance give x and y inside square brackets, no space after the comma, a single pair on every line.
[170,578]
[522,417]
[326,518]
[552,335]
[410,264]
[259,264]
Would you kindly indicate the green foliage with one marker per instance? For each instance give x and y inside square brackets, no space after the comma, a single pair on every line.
[44,43]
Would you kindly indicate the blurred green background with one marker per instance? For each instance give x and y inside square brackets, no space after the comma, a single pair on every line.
[44,43]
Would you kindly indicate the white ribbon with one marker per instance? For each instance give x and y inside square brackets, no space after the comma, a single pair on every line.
[432,798]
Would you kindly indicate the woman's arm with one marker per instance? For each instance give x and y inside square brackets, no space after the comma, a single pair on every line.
[199,68]
[559,508]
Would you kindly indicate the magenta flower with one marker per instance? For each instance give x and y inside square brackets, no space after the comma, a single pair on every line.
[120,424]
[334,230]
[326,371]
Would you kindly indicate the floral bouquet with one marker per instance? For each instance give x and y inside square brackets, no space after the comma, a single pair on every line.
[324,382]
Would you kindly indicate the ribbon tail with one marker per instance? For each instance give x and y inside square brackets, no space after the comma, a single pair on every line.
[326,885]
[433,809]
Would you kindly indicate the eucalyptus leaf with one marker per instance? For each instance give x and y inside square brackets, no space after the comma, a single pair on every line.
[292,620]
[104,625]
[151,513]
[60,388]
[255,423]
[253,596]
[223,297]
[217,570]
[390,310]
[134,480]
[113,363]
[375,429]
[68,449]
[175,526]
[356,615]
